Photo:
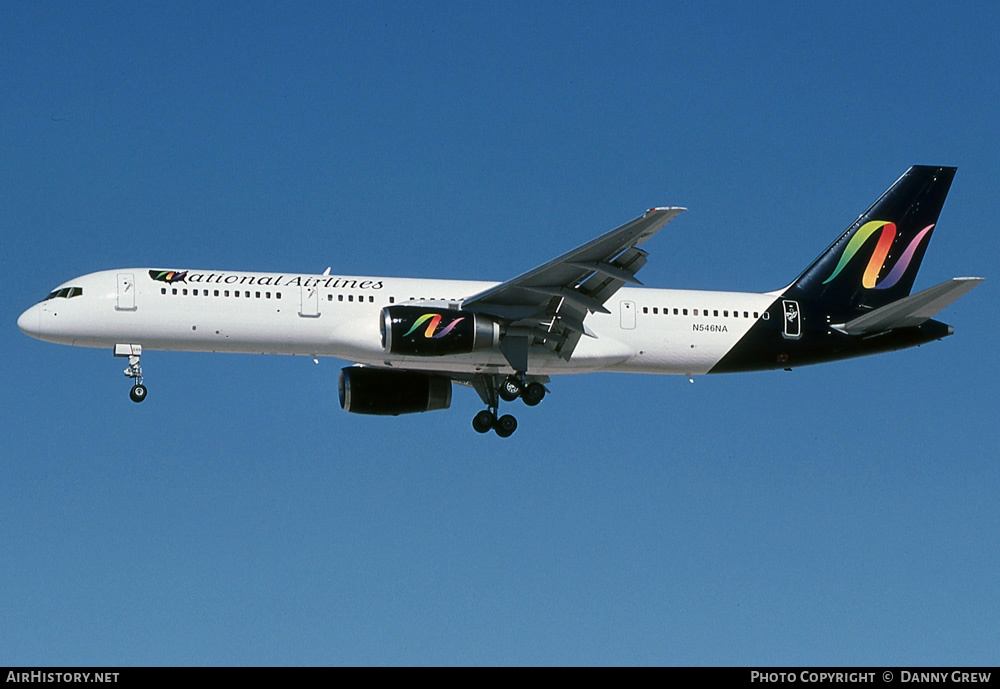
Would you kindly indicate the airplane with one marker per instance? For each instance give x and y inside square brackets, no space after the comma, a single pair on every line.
[585,311]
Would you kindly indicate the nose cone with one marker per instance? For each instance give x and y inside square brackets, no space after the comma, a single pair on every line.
[30,322]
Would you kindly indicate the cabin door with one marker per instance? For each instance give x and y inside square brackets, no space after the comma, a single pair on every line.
[126,292]
[793,319]
[628,315]
[309,307]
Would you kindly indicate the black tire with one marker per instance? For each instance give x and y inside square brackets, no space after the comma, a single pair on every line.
[533,394]
[137,393]
[510,389]
[505,426]
[483,421]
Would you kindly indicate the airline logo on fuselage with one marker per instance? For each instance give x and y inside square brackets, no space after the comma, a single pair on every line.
[875,264]
[168,276]
[327,281]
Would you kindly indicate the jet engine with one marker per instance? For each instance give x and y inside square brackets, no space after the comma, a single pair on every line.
[391,393]
[421,331]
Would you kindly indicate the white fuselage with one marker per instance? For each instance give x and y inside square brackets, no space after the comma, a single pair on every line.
[648,330]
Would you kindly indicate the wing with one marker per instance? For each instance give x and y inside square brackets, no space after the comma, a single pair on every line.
[547,306]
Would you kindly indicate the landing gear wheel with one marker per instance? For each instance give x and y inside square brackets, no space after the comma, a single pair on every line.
[505,425]
[510,389]
[533,394]
[137,393]
[483,421]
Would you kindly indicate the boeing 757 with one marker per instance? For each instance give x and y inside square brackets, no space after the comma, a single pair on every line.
[585,311]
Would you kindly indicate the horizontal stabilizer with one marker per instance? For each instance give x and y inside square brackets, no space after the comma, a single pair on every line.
[909,311]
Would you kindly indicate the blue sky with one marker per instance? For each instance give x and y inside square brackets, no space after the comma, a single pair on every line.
[841,514]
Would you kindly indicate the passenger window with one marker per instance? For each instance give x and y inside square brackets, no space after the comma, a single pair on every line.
[371,299]
[256,295]
[226,293]
[216,292]
[163,290]
[655,311]
[173,290]
[645,309]
[277,295]
[350,297]
[236,293]
[685,312]
[184,291]
[267,295]
[392,300]
[696,312]
[715,313]
[340,297]
[725,314]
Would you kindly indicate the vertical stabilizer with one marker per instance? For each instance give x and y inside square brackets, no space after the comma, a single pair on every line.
[876,260]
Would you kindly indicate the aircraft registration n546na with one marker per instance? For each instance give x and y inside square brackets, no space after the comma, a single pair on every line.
[411,339]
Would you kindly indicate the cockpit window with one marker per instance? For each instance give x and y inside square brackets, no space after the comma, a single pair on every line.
[65,293]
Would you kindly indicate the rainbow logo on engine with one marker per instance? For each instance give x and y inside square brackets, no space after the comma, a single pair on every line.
[870,279]
[435,320]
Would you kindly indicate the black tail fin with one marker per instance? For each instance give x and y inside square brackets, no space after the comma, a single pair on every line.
[876,260]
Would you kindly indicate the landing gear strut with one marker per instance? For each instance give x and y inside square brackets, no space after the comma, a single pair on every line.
[134,370]
[492,388]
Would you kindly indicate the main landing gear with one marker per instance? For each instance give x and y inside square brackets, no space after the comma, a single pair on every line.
[134,370]
[493,388]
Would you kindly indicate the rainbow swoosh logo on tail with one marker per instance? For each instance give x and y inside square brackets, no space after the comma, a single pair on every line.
[877,261]
[435,320]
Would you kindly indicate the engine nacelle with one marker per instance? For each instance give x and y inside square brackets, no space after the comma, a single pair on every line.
[391,393]
[425,331]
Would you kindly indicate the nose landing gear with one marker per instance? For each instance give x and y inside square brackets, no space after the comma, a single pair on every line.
[134,370]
